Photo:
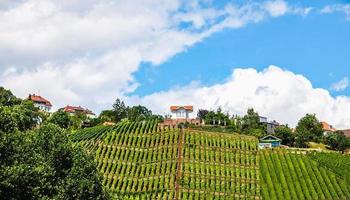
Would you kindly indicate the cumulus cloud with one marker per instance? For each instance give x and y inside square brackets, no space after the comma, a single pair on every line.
[276,93]
[340,85]
[85,52]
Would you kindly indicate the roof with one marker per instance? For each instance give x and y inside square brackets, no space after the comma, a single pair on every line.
[270,138]
[327,127]
[346,132]
[39,99]
[174,108]
[73,109]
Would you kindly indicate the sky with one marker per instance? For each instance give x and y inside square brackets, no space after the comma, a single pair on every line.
[282,58]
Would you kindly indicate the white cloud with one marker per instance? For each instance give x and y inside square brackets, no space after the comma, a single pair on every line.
[340,85]
[345,8]
[276,93]
[85,52]
[276,8]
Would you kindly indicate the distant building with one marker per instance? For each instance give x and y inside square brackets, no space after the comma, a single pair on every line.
[262,119]
[181,114]
[269,141]
[271,126]
[327,128]
[73,110]
[346,132]
[40,102]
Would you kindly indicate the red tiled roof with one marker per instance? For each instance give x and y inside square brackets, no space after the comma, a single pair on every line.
[327,127]
[173,108]
[39,99]
[73,109]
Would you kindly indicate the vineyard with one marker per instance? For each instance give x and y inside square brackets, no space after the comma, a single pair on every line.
[141,160]
[293,175]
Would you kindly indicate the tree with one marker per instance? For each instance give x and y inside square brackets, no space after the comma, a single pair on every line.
[18,117]
[337,141]
[120,110]
[138,113]
[43,164]
[60,118]
[7,98]
[251,124]
[202,113]
[107,115]
[308,129]
[285,134]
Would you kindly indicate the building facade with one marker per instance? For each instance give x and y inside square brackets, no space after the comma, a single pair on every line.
[73,110]
[40,102]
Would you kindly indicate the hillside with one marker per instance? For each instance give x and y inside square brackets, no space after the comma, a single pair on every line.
[143,161]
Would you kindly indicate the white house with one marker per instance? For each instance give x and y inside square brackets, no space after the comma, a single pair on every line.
[40,102]
[180,112]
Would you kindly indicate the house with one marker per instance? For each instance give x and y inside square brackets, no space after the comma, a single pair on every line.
[271,126]
[181,114]
[262,119]
[73,110]
[346,132]
[40,102]
[269,141]
[327,128]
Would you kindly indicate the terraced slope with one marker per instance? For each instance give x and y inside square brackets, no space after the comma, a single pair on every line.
[140,160]
[144,161]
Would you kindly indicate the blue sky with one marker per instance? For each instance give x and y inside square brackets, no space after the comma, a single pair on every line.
[283,58]
[316,46]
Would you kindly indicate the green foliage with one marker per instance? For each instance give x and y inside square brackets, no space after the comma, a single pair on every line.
[120,110]
[202,113]
[61,119]
[107,115]
[308,129]
[43,164]
[21,117]
[217,118]
[337,141]
[285,134]
[251,125]
[7,98]
[138,113]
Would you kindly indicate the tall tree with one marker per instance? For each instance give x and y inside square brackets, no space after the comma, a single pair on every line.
[120,110]
[202,113]
[308,129]
[285,134]
[138,113]
[251,124]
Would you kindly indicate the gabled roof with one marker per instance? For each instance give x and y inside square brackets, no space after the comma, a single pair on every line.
[174,108]
[270,137]
[73,109]
[327,127]
[39,99]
